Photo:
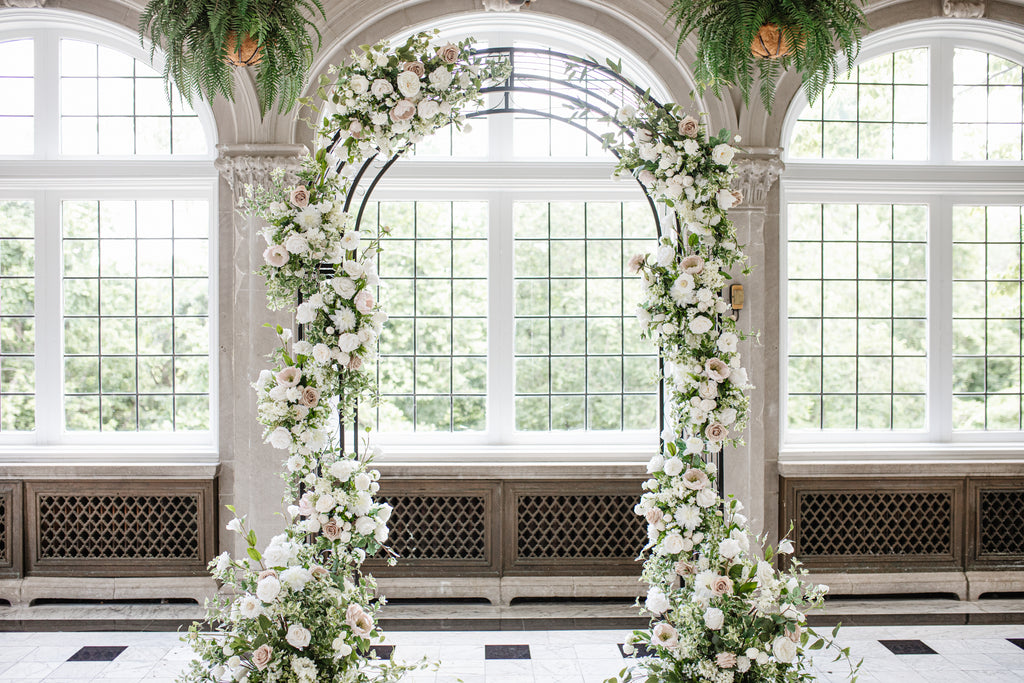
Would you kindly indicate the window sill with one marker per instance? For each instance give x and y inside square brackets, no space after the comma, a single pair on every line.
[108,462]
[945,459]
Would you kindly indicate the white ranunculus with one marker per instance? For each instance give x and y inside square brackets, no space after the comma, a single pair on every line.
[722,154]
[657,602]
[280,438]
[700,325]
[298,636]
[268,588]
[673,467]
[714,618]
[784,649]
[673,543]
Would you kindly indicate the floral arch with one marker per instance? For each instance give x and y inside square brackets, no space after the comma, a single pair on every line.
[301,609]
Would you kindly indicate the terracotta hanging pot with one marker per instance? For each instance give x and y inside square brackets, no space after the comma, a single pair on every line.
[249,53]
[770,43]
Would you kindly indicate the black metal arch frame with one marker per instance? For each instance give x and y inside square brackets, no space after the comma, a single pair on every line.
[594,91]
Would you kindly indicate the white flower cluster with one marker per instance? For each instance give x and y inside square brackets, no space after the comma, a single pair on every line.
[384,99]
[718,612]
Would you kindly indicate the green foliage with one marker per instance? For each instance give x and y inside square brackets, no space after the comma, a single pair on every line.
[726,28]
[194,35]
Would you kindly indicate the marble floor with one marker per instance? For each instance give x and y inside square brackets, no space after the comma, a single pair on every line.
[991,654]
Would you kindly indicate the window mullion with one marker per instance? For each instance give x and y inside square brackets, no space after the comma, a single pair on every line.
[49,354]
[501,404]
[940,92]
[940,323]
[47,95]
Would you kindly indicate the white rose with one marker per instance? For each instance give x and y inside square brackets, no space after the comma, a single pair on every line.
[440,78]
[700,325]
[298,636]
[325,503]
[673,467]
[268,588]
[350,240]
[673,544]
[714,618]
[784,649]
[665,255]
[727,416]
[296,244]
[694,445]
[321,353]
[408,83]
[656,463]
[362,481]
[348,342]
[343,469]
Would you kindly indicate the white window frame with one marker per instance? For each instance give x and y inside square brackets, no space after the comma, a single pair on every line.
[47,177]
[500,179]
[940,183]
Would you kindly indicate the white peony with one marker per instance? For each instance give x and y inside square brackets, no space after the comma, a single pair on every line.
[362,481]
[706,497]
[365,526]
[280,438]
[729,548]
[296,244]
[321,353]
[295,577]
[249,606]
[428,109]
[343,469]
[348,342]
[440,78]
[727,342]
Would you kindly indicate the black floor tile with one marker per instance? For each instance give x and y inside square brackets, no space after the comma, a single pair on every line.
[383,651]
[505,652]
[97,653]
[907,647]
[641,651]
[1019,642]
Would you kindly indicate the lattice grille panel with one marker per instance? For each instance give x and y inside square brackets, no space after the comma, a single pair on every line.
[1002,522]
[5,525]
[876,523]
[579,527]
[118,527]
[438,527]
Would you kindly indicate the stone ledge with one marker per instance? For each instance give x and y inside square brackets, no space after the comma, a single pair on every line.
[501,591]
[24,591]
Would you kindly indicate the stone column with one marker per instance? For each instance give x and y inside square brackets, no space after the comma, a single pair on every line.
[250,469]
[751,470]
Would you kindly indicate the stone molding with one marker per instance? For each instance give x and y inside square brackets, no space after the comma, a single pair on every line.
[963,9]
[505,5]
[756,173]
[252,164]
[22,3]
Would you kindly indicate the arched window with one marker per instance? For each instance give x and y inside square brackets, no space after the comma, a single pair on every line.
[512,317]
[902,243]
[106,242]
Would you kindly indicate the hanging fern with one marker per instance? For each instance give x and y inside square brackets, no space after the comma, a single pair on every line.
[815,31]
[197,35]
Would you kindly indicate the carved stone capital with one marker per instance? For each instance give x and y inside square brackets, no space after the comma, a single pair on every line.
[243,165]
[756,172]
[505,5]
[963,9]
